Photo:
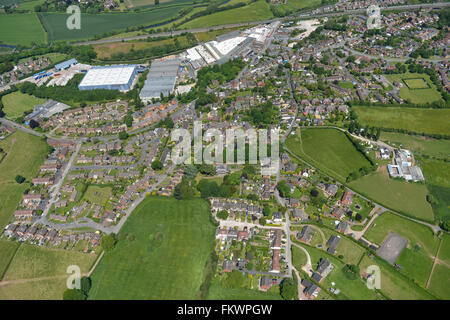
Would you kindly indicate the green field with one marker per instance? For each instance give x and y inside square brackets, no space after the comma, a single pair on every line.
[98,24]
[255,11]
[415,263]
[391,193]
[436,172]
[17,103]
[97,194]
[29,5]
[440,282]
[21,29]
[441,209]
[25,153]
[299,258]
[218,292]
[417,88]
[7,251]
[171,268]
[329,150]
[418,144]
[48,289]
[429,121]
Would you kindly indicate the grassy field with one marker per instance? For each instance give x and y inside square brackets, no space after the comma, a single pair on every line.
[25,153]
[32,261]
[417,88]
[436,172]
[429,121]
[48,289]
[418,144]
[7,251]
[258,10]
[329,150]
[171,268]
[416,264]
[218,292]
[21,29]
[98,24]
[413,231]
[97,194]
[299,258]
[17,103]
[391,193]
[444,251]
[440,282]
[29,5]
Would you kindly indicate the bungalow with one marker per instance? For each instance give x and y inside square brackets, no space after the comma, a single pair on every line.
[324,267]
[311,289]
[338,213]
[299,214]
[346,198]
[332,244]
[342,226]
[305,235]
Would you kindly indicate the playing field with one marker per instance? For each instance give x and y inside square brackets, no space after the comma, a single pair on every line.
[420,144]
[391,193]
[21,29]
[16,103]
[25,153]
[430,121]
[329,150]
[417,88]
[256,11]
[173,240]
[98,24]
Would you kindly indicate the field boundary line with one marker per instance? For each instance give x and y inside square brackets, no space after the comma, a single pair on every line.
[9,263]
[434,264]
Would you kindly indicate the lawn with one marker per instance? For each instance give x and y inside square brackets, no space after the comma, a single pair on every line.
[170,268]
[99,24]
[255,11]
[416,233]
[417,88]
[299,258]
[21,29]
[418,144]
[25,154]
[440,282]
[419,120]
[32,261]
[98,194]
[7,251]
[17,103]
[406,197]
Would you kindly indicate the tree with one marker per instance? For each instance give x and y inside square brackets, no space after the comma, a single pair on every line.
[288,289]
[19,179]
[128,120]
[34,124]
[157,165]
[207,169]
[262,221]
[123,135]
[108,242]
[314,192]
[86,285]
[358,217]
[74,294]
[351,271]
[266,210]
[223,214]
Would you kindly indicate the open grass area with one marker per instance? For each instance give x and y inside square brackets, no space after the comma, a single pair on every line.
[329,150]
[441,207]
[393,284]
[417,88]
[406,197]
[444,251]
[98,24]
[436,172]
[7,251]
[415,263]
[218,292]
[21,29]
[440,282]
[25,153]
[255,11]
[170,268]
[299,258]
[415,233]
[428,121]
[48,289]
[97,194]
[32,261]
[17,103]
[418,144]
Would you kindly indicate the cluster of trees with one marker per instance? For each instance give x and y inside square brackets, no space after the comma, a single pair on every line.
[283,188]
[262,115]
[289,288]
[368,132]
[4,93]
[210,188]
[108,241]
[221,73]
[166,123]
[79,294]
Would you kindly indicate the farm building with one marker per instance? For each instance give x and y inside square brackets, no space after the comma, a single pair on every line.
[65,64]
[160,79]
[118,77]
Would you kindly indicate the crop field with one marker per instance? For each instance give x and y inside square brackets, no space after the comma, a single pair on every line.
[429,121]
[98,24]
[417,88]
[16,103]
[173,240]
[418,144]
[25,153]
[151,3]
[255,11]
[341,157]
[21,29]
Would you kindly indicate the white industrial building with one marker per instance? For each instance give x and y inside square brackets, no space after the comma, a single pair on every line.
[119,77]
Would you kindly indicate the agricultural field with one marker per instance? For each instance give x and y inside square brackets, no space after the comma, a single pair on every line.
[172,242]
[436,172]
[341,158]
[25,153]
[255,11]
[7,251]
[391,193]
[26,29]
[440,282]
[29,5]
[16,103]
[417,88]
[98,24]
[294,5]
[418,144]
[47,289]
[428,121]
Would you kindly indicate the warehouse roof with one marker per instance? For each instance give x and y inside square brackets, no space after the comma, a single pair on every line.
[108,75]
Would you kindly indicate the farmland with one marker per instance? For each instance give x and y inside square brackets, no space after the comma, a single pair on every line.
[418,144]
[17,103]
[429,121]
[341,156]
[7,251]
[255,11]
[99,24]
[172,267]
[417,88]
[26,29]
[25,153]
